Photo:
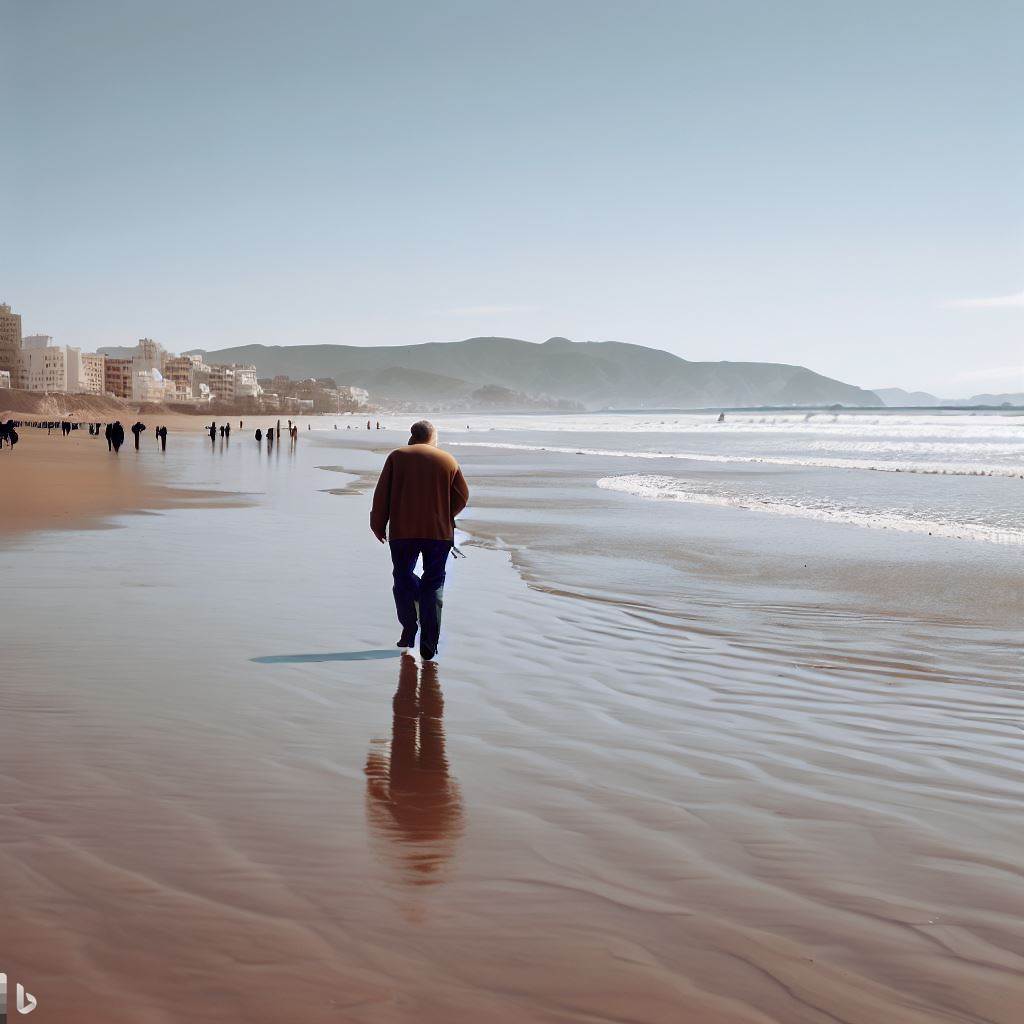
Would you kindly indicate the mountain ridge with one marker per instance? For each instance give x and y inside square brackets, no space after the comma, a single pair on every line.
[596,374]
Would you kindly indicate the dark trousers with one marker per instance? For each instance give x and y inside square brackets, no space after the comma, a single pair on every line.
[425,592]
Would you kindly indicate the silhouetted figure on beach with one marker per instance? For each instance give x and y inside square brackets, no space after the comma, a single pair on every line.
[8,434]
[420,492]
[367,424]
[227,430]
[412,802]
[259,435]
[721,417]
[137,429]
[270,439]
[239,424]
[163,439]
[108,434]
[279,430]
[117,435]
[213,431]
[294,434]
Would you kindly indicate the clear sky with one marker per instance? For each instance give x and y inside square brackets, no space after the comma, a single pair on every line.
[834,184]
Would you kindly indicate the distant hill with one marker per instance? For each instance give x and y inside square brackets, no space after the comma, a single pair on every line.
[1010,398]
[594,374]
[898,397]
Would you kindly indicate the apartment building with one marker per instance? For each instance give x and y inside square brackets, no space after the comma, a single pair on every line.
[48,367]
[222,382]
[149,355]
[117,377]
[5,378]
[10,343]
[92,377]
[181,375]
[246,383]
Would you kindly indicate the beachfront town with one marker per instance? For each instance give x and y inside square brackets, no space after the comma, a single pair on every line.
[149,373]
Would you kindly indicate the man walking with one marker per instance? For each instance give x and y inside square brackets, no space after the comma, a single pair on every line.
[420,492]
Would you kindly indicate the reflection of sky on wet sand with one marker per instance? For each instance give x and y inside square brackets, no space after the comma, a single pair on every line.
[412,803]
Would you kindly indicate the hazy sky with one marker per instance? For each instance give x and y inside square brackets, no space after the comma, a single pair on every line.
[834,184]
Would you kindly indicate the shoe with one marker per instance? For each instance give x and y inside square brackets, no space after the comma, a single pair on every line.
[407,639]
[428,653]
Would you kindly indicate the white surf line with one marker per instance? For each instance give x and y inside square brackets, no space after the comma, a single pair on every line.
[662,488]
[926,468]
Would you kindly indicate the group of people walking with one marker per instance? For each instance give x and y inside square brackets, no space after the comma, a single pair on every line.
[9,434]
[274,433]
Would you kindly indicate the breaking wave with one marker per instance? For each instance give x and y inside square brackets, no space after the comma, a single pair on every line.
[877,464]
[676,489]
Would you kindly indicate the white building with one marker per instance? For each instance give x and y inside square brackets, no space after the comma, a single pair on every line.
[5,378]
[360,396]
[148,386]
[246,384]
[49,367]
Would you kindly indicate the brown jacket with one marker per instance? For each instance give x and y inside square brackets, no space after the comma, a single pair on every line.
[420,492]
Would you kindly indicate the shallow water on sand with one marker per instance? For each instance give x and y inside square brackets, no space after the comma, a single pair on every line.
[712,785]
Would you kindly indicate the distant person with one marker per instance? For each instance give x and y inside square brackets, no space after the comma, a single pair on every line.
[137,429]
[162,434]
[420,492]
[721,417]
[378,424]
[367,424]
[8,434]
[227,430]
[270,438]
[279,430]
[239,424]
[213,431]
[117,436]
[259,435]
[108,434]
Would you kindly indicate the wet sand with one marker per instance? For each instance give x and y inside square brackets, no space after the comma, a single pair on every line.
[51,482]
[224,798]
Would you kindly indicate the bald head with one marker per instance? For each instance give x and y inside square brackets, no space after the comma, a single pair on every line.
[423,432]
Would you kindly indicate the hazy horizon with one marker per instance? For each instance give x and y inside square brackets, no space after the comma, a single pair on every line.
[832,187]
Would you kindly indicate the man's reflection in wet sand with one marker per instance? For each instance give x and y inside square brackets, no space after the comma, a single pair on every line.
[411,802]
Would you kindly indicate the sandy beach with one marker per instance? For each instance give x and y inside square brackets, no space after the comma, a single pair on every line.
[634,788]
[52,482]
